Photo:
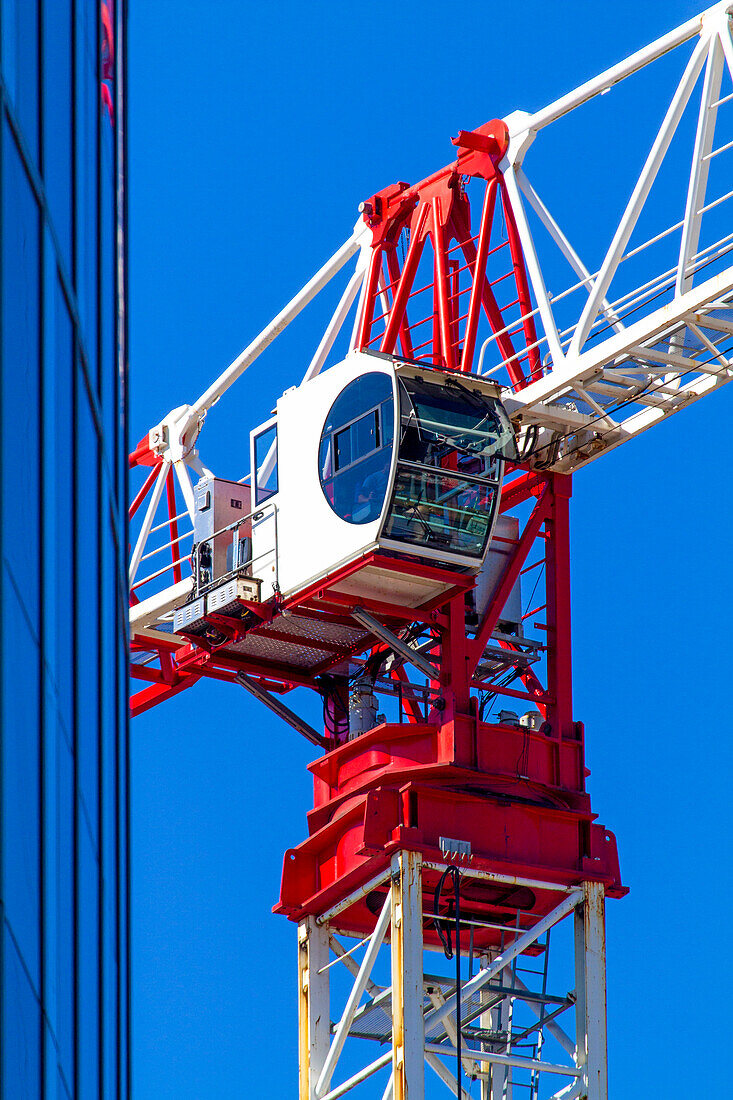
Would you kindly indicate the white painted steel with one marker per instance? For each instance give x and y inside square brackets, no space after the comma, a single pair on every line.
[550,1026]
[495,1063]
[590,992]
[620,71]
[357,1078]
[354,896]
[342,1028]
[700,164]
[301,502]
[445,1075]
[570,1092]
[509,880]
[519,945]
[314,1001]
[335,324]
[507,1060]
[295,306]
[639,196]
[568,368]
[567,375]
[150,611]
[534,269]
[408,1032]
[137,553]
[562,242]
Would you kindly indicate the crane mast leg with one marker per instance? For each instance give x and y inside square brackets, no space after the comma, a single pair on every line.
[590,989]
[399,995]
[408,1031]
[313,1004]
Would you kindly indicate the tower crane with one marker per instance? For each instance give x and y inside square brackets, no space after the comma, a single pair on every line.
[399,545]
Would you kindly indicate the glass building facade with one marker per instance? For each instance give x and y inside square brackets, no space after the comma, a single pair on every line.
[64,989]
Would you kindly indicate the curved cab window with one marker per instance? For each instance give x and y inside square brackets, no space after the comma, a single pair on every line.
[453,442]
[356,448]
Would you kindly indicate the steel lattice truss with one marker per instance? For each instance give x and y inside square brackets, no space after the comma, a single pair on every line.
[472,272]
[408,1020]
[455,271]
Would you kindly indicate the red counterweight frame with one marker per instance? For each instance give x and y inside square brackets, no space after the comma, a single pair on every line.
[516,795]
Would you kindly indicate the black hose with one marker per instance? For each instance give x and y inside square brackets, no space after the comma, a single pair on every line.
[445,939]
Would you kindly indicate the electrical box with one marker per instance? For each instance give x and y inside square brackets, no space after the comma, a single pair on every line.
[222,530]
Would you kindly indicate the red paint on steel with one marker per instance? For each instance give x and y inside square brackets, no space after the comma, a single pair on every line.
[170,488]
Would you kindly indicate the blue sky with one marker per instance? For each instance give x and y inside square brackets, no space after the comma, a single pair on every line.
[255,130]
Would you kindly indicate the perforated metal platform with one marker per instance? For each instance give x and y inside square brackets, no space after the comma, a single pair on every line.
[301,641]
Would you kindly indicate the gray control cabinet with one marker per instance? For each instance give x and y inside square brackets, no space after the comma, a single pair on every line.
[218,505]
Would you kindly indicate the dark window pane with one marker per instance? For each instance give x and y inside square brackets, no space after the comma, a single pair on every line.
[437,420]
[108,387]
[342,448]
[365,392]
[109,843]
[21,1029]
[64,1090]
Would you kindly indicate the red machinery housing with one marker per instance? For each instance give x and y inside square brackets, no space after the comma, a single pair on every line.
[440,777]
[514,795]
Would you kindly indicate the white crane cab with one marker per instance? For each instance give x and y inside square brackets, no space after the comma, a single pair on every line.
[375,462]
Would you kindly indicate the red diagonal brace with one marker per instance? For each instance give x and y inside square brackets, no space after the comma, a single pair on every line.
[508,579]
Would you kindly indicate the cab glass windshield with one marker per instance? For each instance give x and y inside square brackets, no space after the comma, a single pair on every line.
[452,446]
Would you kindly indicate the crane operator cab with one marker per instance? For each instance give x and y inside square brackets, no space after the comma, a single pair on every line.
[374,463]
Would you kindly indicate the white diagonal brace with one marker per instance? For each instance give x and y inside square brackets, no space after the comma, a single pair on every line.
[571,1092]
[357,990]
[484,976]
[507,1060]
[564,244]
[712,348]
[717,323]
[280,322]
[580,367]
[335,324]
[598,84]
[445,1075]
[148,521]
[725,41]
[700,164]
[534,269]
[550,1026]
[670,358]
[352,966]
[601,412]
[180,467]
[639,195]
[357,1078]
[437,998]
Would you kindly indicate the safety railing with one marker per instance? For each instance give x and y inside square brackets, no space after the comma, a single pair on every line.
[238,550]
